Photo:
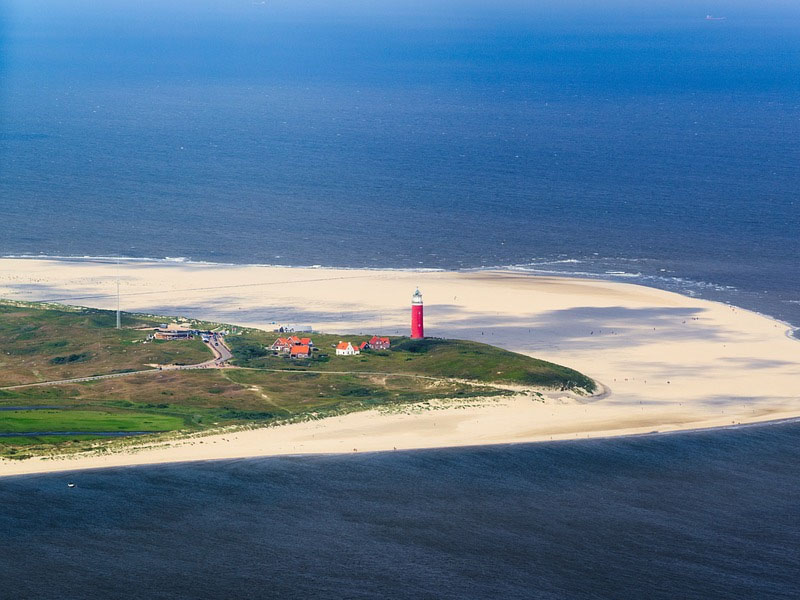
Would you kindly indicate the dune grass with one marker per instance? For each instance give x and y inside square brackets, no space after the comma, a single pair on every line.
[41,343]
[46,342]
[21,421]
[456,359]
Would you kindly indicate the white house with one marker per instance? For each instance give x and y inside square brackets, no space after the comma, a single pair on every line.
[346,349]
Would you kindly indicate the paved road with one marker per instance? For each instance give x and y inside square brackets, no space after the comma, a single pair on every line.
[216,344]
[220,350]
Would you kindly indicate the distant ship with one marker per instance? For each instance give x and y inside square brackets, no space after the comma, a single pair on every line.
[712,18]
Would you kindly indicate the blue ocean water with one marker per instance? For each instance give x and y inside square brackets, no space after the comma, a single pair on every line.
[627,139]
[631,140]
[703,515]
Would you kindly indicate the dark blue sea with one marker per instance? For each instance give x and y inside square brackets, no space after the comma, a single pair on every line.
[706,515]
[626,139]
[639,141]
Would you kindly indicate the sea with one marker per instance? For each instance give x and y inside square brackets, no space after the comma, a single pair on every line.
[700,515]
[649,142]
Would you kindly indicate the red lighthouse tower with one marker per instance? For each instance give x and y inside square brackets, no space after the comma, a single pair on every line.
[417,331]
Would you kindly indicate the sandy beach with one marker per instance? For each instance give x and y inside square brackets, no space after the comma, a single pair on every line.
[669,362]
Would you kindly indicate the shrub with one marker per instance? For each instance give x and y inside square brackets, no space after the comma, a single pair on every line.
[249,415]
[72,358]
[249,350]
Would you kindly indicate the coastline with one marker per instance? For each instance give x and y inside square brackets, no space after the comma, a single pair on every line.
[675,284]
[671,362]
[293,440]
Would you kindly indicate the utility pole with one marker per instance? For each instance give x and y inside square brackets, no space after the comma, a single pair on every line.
[119,318]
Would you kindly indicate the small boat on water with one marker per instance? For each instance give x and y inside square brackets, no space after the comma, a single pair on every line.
[70,484]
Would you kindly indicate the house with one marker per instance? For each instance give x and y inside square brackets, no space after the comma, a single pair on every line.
[281,345]
[300,351]
[173,332]
[363,346]
[346,349]
[294,329]
[298,341]
[379,343]
[287,344]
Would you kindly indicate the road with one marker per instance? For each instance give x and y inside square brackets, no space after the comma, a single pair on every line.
[216,343]
[222,354]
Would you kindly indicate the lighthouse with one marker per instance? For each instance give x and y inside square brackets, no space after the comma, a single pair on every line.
[417,331]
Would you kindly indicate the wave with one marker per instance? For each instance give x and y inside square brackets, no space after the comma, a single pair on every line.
[602,268]
[534,267]
[649,273]
[602,272]
[191,261]
[101,258]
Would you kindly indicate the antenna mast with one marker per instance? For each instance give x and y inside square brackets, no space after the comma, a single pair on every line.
[119,319]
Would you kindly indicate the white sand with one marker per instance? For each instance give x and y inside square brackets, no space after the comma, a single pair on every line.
[671,362]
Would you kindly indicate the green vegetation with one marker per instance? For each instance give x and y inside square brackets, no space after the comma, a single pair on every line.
[47,343]
[61,360]
[453,359]
[44,343]
[21,421]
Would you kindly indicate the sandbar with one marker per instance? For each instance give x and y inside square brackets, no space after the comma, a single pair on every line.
[668,362]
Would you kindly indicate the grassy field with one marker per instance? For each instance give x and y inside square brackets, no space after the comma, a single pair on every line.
[457,359]
[53,420]
[79,423]
[51,343]
[41,344]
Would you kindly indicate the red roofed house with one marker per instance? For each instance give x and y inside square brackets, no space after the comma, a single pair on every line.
[363,346]
[281,345]
[379,343]
[287,344]
[300,351]
[346,349]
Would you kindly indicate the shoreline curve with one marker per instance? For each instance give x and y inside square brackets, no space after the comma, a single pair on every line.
[674,363]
